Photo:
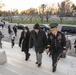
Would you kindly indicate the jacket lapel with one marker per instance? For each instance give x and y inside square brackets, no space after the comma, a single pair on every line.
[38,36]
[34,36]
[57,35]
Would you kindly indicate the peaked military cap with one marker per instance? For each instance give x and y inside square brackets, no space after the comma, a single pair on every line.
[53,25]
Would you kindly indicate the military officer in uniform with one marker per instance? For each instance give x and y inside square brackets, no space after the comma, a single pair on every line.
[56,43]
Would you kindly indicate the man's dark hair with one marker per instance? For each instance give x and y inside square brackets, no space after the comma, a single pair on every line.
[36,26]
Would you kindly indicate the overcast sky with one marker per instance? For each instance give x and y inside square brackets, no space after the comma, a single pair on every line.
[25,4]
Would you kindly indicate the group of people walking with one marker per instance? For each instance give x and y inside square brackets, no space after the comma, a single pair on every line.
[55,42]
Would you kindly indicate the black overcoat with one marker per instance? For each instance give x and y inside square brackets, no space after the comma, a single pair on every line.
[40,42]
[24,40]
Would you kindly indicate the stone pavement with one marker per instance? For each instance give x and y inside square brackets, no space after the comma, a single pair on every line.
[16,65]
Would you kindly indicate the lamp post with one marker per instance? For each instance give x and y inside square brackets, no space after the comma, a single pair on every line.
[43,8]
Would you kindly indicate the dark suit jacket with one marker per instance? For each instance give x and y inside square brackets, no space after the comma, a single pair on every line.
[40,42]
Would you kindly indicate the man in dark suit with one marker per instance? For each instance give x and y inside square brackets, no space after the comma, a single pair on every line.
[38,39]
[56,43]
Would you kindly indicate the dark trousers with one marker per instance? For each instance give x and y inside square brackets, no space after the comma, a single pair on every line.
[27,54]
[55,58]
[12,42]
[0,43]
[75,50]
[15,33]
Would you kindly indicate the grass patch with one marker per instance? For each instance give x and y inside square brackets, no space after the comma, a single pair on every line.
[44,22]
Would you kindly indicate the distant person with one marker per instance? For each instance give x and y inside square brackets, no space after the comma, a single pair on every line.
[24,42]
[1,36]
[68,46]
[12,41]
[15,30]
[75,45]
[2,26]
[9,29]
[4,22]
[38,39]
[12,36]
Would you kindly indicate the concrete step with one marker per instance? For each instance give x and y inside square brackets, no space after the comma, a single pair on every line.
[46,69]
[6,71]
[24,69]
[3,57]
[16,62]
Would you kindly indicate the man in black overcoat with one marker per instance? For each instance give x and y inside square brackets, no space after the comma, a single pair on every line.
[38,39]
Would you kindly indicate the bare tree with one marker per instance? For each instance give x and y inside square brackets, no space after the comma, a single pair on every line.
[68,6]
[32,13]
[1,5]
[8,15]
[74,7]
[15,12]
[47,13]
[74,12]
[42,12]
[64,9]
[61,10]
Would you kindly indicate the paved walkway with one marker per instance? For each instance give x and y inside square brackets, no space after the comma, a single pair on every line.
[16,65]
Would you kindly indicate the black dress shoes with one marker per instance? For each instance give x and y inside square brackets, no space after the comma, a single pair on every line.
[54,69]
[36,62]
[27,57]
[39,65]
